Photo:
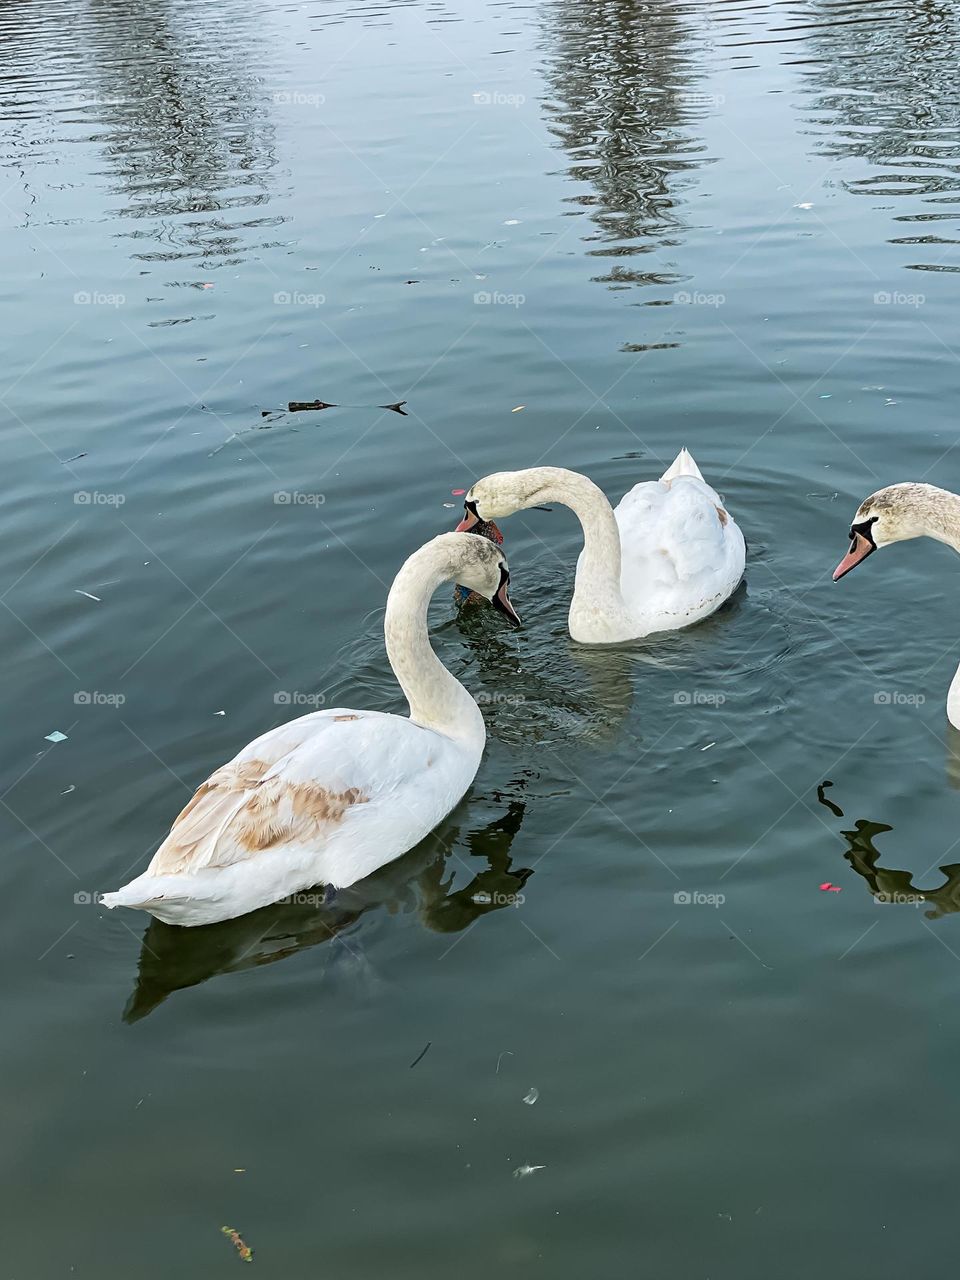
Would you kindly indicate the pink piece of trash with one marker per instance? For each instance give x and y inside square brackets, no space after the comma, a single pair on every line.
[827,887]
[458,493]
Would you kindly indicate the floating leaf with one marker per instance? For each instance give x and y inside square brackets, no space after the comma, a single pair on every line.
[242,1248]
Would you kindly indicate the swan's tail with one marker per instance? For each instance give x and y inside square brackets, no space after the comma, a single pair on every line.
[682,465]
[145,892]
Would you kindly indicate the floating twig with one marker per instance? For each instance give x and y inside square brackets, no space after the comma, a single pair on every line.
[298,406]
[421,1054]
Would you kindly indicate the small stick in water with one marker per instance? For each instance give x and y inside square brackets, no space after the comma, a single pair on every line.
[421,1054]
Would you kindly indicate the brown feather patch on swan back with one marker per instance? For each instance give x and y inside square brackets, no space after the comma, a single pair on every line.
[238,812]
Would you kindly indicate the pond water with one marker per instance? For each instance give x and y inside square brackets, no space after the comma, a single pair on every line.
[582,235]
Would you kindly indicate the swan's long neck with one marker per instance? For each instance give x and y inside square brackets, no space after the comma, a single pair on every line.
[597,593]
[437,700]
[936,512]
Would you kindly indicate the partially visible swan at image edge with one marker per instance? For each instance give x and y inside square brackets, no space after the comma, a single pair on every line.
[328,798]
[894,514]
[668,556]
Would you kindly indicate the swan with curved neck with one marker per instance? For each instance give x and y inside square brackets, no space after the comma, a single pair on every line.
[328,798]
[894,514]
[669,554]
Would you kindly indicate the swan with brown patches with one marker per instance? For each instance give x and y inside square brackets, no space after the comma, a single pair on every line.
[330,797]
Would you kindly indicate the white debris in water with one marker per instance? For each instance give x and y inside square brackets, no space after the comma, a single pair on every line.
[56,736]
[526,1169]
[531,1097]
[708,746]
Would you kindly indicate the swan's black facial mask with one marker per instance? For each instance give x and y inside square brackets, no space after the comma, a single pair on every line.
[861,546]
[470,518]
[502,602]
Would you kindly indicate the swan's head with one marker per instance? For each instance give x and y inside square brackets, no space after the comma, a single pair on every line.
[893,514]
[480,565]
[501,494]
[485,529]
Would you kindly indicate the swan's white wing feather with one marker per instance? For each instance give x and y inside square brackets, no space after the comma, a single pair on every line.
[308,783]
[682,552]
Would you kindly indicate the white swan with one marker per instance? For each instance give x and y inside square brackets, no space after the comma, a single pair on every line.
[894,514]
[669,555]
[328,798]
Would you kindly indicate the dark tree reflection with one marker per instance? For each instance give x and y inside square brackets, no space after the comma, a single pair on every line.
[886,91]
[184,121]
[624,102]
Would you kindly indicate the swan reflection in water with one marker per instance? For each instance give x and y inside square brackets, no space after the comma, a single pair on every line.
[173,957]
[895,888]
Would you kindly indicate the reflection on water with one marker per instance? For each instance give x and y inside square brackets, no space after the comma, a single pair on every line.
[887,885]
[183,128]
[538,689]
[188,136]
[149,150]
[172,957]
[624,101]
[885,92]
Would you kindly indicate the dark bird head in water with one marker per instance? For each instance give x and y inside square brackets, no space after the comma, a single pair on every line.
[486,529]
